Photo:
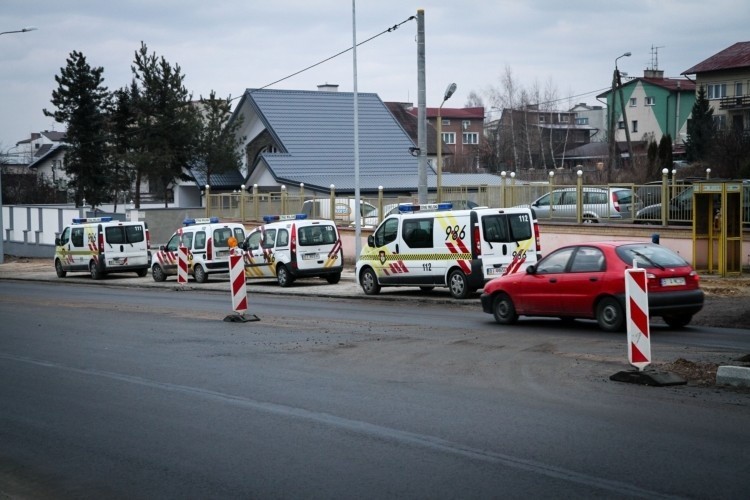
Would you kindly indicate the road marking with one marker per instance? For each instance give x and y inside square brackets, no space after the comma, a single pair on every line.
[361,427]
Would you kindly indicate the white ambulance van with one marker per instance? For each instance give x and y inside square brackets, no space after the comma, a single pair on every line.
[99,245]
[207,241]
[292,246]
[434,245]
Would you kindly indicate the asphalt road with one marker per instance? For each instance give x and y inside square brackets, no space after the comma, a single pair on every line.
[112,392]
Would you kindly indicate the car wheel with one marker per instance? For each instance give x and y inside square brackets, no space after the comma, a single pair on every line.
[590,220]
[94,271]
[283,276]
[426,288]
[609,315]
[457,284]
[200,274]
[61,273]
[504,310]
[333,278]
[141,272]
[158,273]
[369,282]
[677,321]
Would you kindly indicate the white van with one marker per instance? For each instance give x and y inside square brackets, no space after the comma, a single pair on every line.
[434,245]
[292,246]
[320,208]
[100,245]
[207,241]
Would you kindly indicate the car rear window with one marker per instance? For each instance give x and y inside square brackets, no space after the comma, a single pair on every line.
[624,196]
[317,235]
[647,255]
[117,235]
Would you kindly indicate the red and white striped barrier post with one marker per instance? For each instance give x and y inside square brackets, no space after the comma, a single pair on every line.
[182,265]
[238,286]
[636,309]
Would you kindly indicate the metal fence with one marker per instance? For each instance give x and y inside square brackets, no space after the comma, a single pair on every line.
[590,203]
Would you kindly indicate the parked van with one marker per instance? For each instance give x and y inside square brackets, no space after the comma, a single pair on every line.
[320,208]
[288,247]
[100,246]
[434,245]
[207,241]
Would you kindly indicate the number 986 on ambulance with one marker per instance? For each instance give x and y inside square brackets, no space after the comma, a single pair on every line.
[429,246]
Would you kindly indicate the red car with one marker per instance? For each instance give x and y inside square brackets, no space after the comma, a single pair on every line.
[588,281]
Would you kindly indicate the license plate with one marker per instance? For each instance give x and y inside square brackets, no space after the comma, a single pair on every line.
[494,270]
[222,253]
[672,281]
[310,256]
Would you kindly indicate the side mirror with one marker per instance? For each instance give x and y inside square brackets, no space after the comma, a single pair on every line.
[57,242]
[531,269]
[371,241]
[163,248]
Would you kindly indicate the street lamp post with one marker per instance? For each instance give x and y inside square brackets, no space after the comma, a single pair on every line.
[612,141]
[2,226]
[448,93]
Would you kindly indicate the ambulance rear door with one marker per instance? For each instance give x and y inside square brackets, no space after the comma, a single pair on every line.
[508,242]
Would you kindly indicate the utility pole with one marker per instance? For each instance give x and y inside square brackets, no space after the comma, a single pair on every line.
[421,110]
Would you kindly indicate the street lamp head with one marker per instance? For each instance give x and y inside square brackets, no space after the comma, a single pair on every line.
[627,54]
[29,28]
[449,91]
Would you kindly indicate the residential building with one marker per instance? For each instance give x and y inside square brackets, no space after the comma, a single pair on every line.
[463,136]
[531,138]
[726,78]
[594,117]
[654,106]
[305,138]
[46,154]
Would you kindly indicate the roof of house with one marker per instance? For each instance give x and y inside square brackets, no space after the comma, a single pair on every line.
[315,135]
[45,153]
[476,113]
[402,112]
[223,181]
[670,84]
[734,57]
[52,135]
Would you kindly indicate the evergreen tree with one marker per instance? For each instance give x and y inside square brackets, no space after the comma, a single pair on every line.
[167,125]
[652,154]
[700,128]
[82,104]
[665,153]
[218,147]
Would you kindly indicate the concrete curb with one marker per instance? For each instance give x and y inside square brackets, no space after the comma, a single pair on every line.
[737,376]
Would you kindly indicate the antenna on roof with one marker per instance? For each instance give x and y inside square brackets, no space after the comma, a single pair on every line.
[655,57]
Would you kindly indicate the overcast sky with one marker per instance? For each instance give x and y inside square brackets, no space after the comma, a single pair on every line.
[231,45]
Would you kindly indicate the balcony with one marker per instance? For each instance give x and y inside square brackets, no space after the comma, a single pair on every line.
[738,102]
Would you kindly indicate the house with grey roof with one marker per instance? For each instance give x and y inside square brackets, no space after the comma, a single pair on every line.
[297,137]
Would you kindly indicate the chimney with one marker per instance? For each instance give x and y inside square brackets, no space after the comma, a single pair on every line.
[653,73]
[328,87]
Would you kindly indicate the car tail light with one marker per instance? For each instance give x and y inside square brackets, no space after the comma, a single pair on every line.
[477,241]
[210,249]
[101,241]
[148,239]
[536,238]
[616,201]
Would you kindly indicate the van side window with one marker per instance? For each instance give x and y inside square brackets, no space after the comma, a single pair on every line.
[76,237]
[269,238]
[65,236]
[418,232]
[187,240]
[200,240]
[173,243]
[283,238]
[387,232]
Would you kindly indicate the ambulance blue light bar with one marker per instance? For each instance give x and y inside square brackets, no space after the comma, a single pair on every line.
[204,220]
[84,220]
[425,207]
[276,218]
